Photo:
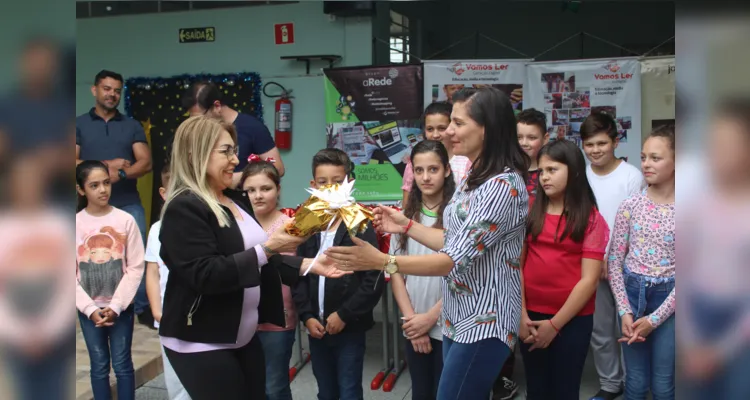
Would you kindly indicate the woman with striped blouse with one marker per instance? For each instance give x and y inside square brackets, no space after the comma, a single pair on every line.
[478,251]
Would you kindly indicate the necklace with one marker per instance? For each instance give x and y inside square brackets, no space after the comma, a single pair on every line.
[430,208]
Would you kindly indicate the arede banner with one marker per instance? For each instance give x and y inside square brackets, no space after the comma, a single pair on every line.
[443,78]
[374,115]
[568,91]
[658,90]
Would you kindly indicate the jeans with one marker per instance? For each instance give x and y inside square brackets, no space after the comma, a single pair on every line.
[729,382]
[425,370]
[337,362]
[277,347]
[470,369]
[651,364]
[115,340]
[555,372]
[718,318]
[139,214]
[44,377]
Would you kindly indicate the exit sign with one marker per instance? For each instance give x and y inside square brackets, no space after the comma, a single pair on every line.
[194,35]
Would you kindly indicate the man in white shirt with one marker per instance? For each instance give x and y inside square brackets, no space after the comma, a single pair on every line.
[612,180]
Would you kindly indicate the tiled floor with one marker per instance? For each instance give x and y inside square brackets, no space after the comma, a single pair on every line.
[304,387]
[148,365]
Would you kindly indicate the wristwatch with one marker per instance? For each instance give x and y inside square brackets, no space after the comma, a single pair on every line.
[392,266]
[121,173]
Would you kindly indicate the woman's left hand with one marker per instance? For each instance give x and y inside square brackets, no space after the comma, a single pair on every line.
[545,334]
[282,242]
[324,266]
[361,257]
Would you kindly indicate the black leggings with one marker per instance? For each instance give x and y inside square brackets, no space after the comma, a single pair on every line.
[226,374]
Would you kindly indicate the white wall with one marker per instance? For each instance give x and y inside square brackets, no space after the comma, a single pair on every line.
[147,46]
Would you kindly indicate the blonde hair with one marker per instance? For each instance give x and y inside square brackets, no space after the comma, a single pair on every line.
[193,144]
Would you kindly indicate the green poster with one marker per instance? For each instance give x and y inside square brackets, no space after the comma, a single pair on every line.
[373,114]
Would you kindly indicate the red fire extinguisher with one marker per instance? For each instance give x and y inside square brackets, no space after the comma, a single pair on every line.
[283,117]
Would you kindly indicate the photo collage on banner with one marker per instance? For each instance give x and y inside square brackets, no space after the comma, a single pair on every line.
[373,114]
[568,91]
[443,78]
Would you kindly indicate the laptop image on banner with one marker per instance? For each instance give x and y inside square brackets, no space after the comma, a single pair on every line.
[389,139]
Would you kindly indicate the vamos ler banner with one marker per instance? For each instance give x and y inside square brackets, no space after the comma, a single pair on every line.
[569,91]
[374,115]
[443,78]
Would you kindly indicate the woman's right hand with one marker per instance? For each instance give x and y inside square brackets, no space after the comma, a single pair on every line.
[389,220]
[323,266]
[282,242]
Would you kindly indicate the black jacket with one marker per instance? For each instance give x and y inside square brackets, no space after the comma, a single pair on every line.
[209,269]
[352,296]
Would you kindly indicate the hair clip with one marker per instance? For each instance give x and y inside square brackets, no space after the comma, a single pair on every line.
[253,158]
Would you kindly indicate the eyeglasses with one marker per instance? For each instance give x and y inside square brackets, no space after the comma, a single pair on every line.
[229,151]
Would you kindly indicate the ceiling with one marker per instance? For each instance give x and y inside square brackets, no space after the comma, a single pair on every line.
[96,9]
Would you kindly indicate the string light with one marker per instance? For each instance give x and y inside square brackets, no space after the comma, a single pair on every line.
[231,80]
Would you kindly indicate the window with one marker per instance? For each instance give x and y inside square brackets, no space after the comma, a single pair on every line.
[399,38]
[399,50]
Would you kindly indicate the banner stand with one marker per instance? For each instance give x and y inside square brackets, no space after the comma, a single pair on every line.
[568,91]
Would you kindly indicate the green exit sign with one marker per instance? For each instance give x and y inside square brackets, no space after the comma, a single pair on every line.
[193,35]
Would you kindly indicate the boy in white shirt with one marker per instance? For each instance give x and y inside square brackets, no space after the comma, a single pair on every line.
[613,180]
[156,283]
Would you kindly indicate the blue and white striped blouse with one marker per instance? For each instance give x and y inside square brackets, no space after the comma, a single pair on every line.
[485,230]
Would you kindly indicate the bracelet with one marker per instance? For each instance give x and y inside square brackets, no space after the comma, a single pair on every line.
[408,226]
[267,250]
[553,326]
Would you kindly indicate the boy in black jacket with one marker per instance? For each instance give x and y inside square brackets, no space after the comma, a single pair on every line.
[337,312]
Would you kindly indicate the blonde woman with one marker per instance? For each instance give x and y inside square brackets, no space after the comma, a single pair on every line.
[219,258]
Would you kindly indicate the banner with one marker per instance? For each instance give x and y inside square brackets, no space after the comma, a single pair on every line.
[658,92]
[374,115]
[569,91]
[443,78]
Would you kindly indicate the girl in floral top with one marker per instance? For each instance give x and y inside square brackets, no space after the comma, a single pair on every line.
[642,273]
[478,250]
[261,181]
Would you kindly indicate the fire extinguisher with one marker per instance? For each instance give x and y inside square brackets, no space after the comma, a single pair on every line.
[283,117]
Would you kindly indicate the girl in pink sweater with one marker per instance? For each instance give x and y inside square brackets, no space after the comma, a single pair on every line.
[109,268]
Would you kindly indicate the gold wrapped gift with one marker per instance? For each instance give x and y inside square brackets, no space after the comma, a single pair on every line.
[327,205]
